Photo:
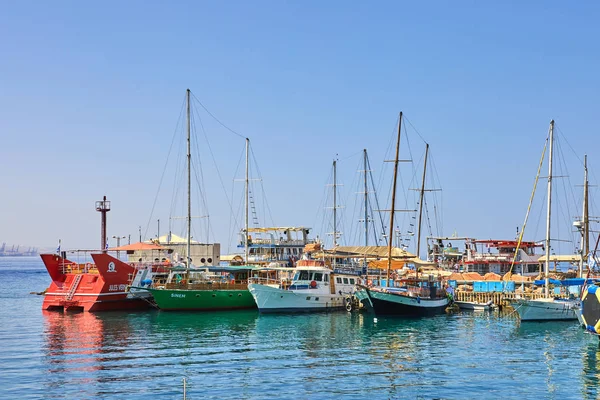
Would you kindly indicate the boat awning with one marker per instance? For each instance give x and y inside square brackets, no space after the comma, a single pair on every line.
[276,229]
[232,268]
[565,282]
[138,247]
[571,258]
[372,251]
[232,257]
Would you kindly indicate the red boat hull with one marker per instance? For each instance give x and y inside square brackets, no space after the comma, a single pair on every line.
[83,287]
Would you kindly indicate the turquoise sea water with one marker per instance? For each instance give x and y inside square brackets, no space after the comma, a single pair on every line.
[134,355]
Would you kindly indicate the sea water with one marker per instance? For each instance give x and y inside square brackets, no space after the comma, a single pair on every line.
[245,355]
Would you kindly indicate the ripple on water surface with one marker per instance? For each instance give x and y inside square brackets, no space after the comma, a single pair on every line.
[53,355]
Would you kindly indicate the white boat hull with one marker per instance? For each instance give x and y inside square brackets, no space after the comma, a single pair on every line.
[546,309]
[270,299]
[469,305]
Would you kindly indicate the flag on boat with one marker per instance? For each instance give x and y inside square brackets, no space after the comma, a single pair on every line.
[58,248]
[592,263]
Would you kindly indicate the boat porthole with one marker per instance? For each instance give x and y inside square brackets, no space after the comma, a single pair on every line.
[282,297]
[316,299]
[214,295]
[197,295]
[230,295]
[239,295]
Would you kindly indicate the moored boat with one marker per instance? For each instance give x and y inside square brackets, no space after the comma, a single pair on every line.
[204,289]
[314,287]
[81,287]
[475,306]
[415,298]
[98,286]
[547,308]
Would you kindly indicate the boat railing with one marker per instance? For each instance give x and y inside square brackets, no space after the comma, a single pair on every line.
[498,298]
[238,285]
[74,268]
[261,280]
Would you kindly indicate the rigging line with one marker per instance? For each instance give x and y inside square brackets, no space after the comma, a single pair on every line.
[563,136]
[177,178]
[387,155]
[261,183]
[514,260]
[321,207]
[216,119]
[197,165]
[232,214]
[438,217]
[165,167]
[564,172]
[212,155]
[201,180]
[376,198]
[427,216]
[353,219]
[418,133]
[350,156]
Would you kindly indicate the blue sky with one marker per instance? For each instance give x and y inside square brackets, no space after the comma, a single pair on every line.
[90,95]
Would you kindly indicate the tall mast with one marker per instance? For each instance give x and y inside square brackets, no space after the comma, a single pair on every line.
[584,228]
[586,220]
[421,204]
[247,189]
[189,185]
[389,266]
[547,265]
[366,205]
[334,204]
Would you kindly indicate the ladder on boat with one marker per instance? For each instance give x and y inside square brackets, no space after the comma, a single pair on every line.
[73,287]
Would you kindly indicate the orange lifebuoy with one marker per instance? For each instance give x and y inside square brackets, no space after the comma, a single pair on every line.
[369,283]
[183,282]
[313,284]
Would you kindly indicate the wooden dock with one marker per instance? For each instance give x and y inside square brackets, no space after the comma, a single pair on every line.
[501,299]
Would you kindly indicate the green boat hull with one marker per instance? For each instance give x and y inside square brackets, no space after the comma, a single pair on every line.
[203,300]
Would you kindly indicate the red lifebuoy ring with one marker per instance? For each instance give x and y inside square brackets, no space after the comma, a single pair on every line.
[313,284]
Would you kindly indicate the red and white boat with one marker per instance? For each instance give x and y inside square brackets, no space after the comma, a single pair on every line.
[101,286]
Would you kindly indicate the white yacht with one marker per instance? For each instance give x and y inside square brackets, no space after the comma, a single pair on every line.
[314,287]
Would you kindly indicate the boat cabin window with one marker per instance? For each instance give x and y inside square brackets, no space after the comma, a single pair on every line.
[345,281]
[352,281]
[326,278]
[318,277]
[301,276]
[338,280]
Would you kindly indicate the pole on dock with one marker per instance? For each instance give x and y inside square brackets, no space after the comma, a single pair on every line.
[103,207]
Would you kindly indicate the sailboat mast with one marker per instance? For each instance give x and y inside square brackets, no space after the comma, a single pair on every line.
[366,204]
[421,204]
[584,247]
[334,204]
[586,215]
[247,200]
[189,186]
[389,266]
[549,211]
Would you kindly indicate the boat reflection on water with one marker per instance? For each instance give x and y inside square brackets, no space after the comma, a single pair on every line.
[80,346]
[74,334]
[591,368]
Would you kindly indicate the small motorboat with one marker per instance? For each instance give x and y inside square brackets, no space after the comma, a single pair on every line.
[475,306]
